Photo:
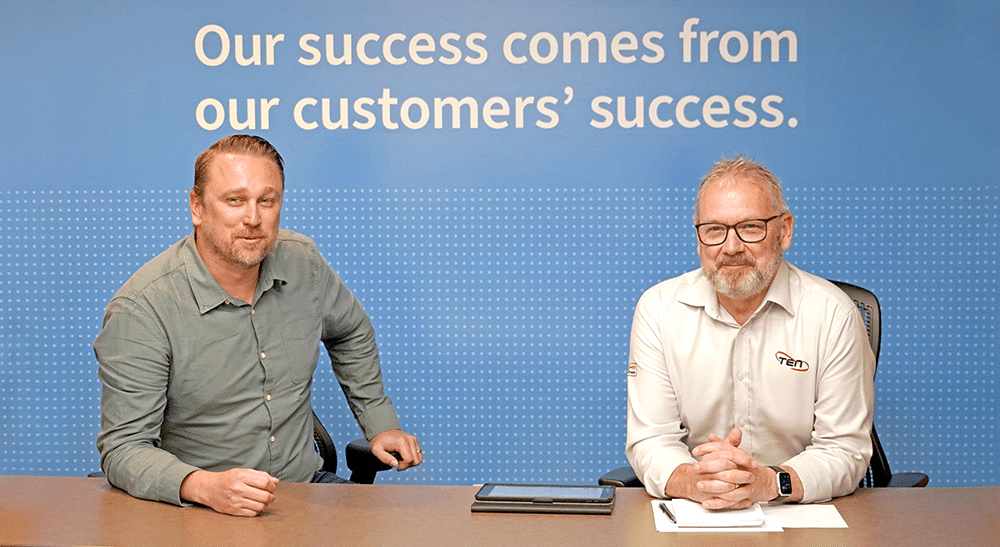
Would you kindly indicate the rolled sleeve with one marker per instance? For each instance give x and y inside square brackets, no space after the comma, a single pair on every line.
[349,339]
[134,368]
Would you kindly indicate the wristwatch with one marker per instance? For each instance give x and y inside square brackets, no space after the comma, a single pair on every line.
[784,484]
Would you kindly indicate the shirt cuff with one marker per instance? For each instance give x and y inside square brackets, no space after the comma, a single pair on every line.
[377,419]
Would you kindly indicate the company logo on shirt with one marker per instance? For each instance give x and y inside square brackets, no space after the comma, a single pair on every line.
[797,365]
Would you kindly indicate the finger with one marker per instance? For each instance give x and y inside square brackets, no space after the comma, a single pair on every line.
[736,456]
[743,460]
[713,464]
[720,503]
[410,453]
[259,480]
[724,491]
[735,437]
[735,477]
[711,448]
[250,508]
[384,456]
[714,488]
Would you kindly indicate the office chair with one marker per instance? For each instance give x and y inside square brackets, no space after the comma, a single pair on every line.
[878,474]
[360,460]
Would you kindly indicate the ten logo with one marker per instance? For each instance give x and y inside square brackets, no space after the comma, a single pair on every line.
[789,361]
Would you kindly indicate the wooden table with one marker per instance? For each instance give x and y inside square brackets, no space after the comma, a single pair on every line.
[87,511]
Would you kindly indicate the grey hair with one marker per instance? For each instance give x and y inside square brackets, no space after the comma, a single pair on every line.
[744,168]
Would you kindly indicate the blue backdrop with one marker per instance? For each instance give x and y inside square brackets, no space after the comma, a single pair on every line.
[498,198]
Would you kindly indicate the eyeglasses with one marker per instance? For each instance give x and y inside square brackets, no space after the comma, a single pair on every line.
[749,231]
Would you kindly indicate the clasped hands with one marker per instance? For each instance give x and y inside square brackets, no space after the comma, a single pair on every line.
[727,477]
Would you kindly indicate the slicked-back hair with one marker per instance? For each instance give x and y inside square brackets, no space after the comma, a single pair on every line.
[244,145]
[744,168]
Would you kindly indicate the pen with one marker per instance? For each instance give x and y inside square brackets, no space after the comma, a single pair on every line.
[670,515]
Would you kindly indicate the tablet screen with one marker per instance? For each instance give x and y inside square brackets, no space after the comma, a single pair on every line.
[555,492]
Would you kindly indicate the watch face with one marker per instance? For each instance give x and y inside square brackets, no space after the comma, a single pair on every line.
[785,484]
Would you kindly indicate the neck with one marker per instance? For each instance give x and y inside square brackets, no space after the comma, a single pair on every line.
[741,309]
[237,282]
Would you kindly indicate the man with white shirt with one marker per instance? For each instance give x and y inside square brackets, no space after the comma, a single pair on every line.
[749,380]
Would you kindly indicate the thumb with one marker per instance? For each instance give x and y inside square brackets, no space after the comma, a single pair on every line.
[385,456]
[735,437]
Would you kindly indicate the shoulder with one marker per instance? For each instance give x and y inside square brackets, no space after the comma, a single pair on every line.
[813,291]
[295,241]
[293,245]
[688,286]
[159,269]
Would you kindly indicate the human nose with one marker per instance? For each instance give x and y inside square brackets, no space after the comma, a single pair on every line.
[733,244]
[252,215]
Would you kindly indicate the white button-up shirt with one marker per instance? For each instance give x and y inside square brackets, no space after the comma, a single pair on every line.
[797,379]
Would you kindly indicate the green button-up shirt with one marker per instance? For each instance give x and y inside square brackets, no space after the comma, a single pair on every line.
[195,379]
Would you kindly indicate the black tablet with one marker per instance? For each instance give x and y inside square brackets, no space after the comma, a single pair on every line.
[546,493]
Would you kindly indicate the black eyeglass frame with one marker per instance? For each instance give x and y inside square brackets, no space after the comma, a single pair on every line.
[734,228]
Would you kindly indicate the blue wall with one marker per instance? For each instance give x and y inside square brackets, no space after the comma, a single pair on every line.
[501,264]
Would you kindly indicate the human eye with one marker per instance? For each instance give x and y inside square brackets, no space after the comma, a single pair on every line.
[752,228]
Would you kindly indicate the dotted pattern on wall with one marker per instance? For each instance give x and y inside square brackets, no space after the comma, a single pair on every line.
[503,315]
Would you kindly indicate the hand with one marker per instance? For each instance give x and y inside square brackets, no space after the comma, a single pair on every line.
[239,492]
[400,442]
[726,475]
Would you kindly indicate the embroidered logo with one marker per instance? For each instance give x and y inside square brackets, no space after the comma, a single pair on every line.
[797,365]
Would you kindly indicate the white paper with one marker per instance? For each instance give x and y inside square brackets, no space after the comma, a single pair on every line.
[805,516]
[776,518]
[693,514]
[663,523]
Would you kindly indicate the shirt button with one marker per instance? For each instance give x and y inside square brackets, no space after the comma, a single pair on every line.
[263,355]
[253,312]
[268,397]
[272,438]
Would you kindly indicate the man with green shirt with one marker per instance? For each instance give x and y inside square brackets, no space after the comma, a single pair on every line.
[207,353]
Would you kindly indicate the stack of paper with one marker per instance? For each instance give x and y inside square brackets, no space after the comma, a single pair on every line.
[692,515]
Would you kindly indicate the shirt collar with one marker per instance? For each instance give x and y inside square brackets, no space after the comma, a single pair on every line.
[207,292]
[272,271]
[700,293]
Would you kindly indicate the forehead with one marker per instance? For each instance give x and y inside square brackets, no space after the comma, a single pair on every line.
[731,200]
[231,171]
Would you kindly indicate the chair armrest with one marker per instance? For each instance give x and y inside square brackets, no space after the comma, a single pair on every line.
[621,477]
[362,463]
[908,480]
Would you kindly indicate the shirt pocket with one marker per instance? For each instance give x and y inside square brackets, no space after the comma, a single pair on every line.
[301,336]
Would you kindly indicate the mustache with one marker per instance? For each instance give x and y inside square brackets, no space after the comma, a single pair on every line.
[735,260]
[252,234]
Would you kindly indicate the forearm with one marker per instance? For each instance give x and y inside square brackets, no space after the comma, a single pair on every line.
[146,472]
[350,343]
[655,460]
